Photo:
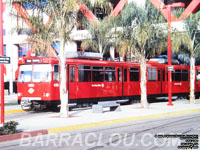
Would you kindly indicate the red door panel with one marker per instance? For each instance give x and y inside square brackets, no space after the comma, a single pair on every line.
[134,82]
[72,82]
[125,82]
[153,83]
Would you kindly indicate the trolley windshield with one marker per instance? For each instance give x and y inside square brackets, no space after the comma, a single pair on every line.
[35,73]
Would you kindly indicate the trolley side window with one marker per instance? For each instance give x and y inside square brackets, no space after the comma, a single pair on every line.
[110,74]
[176,76]
[119,75]
[159,75]
[180,75]
[184,75]
[97,73]
[56,72]
[198,75]
[72,74]
[134,74]
[163,75]
[125,75]
[84,73]
[151,74]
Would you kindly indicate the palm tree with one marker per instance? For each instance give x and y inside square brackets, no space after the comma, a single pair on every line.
[63,20]
[102,34]
[191,39]
[63,15]
[142,36]
[100,30]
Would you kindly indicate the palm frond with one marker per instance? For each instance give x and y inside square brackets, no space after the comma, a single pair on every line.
[41,47]
[142,29]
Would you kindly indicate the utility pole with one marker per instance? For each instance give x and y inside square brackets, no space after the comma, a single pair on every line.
[1,65]
[170,67]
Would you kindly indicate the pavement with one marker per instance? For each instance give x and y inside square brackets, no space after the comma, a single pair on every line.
[46,123]
[10,99]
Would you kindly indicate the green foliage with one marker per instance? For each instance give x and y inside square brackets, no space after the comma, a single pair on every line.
[193,32]
[9,128]
[64,15]
[98,7]
[101,30]
[143,33]
[190,38]
[178,11]
[102,34]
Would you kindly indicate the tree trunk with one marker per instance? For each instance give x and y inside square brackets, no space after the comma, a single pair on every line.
[63,84]
[143,82]
[192,79]
[101,49]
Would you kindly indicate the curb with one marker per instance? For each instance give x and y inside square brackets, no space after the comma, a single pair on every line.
[123,120]
[9,104]
[16,136]
[13,111]
[11,137]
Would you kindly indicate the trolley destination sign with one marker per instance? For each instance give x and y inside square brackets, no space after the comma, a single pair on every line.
[4,60]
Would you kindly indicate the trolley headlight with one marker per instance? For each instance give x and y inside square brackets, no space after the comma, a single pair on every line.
[19,94]
[47,94]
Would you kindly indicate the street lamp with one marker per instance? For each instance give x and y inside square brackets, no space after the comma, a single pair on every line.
[170,68]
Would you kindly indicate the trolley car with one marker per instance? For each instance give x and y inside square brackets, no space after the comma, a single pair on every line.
[90,81]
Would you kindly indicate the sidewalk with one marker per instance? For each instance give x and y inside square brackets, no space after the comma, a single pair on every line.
[80,119]
[10,99]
